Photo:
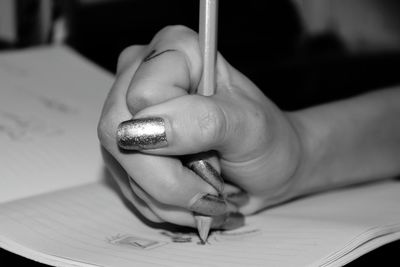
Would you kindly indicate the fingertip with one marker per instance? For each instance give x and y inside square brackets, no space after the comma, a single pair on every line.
[252,205]
[192,124]
[208,204]
[208,173]
[172,67]
[141,134]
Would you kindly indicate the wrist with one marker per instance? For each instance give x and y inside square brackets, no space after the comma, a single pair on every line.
[308,178]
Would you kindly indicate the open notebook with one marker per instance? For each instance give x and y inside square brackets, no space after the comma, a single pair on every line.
[58,205]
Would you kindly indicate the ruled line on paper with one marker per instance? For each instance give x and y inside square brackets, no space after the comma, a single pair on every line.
[49,215]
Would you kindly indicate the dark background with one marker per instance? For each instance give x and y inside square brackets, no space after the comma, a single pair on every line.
[263,42]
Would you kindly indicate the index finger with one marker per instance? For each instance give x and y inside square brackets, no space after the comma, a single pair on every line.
[161,177]
[171,68]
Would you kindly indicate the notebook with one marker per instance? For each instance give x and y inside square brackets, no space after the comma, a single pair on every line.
[59,206]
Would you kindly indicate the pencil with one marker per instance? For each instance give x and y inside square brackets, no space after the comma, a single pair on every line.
[208,19]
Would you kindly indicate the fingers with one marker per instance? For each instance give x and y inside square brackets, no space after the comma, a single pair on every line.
[192,124]
[235,195]
[163,178]
[164,71]
[165,212]
[170,68]
[129,56]
[122,180]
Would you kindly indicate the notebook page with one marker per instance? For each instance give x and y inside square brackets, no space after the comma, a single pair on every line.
[365,248]
[50,101]
[90,224]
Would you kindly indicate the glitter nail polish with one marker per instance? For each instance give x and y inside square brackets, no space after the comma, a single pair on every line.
[141,134]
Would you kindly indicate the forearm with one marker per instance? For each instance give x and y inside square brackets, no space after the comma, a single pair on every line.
[350,141]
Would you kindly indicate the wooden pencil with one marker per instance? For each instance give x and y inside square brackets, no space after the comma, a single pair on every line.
[208,19]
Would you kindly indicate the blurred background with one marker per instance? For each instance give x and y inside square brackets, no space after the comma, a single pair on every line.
[299,52]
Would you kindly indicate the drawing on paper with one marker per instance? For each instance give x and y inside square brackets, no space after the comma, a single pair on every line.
[134,242]
[179,237]
[215,236]
[58,106]
[18,128]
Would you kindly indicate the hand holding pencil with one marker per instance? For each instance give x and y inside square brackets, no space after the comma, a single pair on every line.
[208,21]
[153,119]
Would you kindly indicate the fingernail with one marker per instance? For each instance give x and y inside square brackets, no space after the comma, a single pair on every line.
[207,204]
[229,221]
[207,172]
[238,198]
[139,134]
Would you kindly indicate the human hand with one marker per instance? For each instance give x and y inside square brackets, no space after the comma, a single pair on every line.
[258,146]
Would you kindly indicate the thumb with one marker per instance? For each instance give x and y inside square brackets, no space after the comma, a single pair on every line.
[192,124]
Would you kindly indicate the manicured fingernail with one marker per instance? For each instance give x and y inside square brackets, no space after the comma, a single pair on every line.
[207,204]
[207,172]
[140,134]
[238,198]
[229,221]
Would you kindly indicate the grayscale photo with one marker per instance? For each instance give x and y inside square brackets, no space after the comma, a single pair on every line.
[199,133]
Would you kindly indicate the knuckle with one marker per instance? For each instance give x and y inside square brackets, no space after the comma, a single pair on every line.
[254,114]
[258,119]
[139,98]
[125,53]
[211,123]
[180,34]
[176,31]
[258,116]
[126,56]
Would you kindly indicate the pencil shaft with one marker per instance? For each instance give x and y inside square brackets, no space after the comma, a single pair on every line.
[208,21]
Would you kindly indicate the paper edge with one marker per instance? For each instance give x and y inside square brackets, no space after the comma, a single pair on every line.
[40,257]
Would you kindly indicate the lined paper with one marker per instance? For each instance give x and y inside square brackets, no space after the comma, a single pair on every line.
[50,102]
[59,206]
[79,224]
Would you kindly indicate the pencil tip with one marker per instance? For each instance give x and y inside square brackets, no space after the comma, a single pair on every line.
[203,227]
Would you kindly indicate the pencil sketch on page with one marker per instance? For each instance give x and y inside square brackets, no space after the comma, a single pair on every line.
[18,128]
[215,236]
[134,242]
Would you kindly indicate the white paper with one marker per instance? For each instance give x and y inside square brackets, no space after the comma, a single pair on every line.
[50,102]
[58,205]
[91,224]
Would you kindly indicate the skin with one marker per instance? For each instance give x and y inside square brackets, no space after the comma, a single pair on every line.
[273,155]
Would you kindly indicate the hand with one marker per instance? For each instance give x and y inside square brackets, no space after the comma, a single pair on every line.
[258,146]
